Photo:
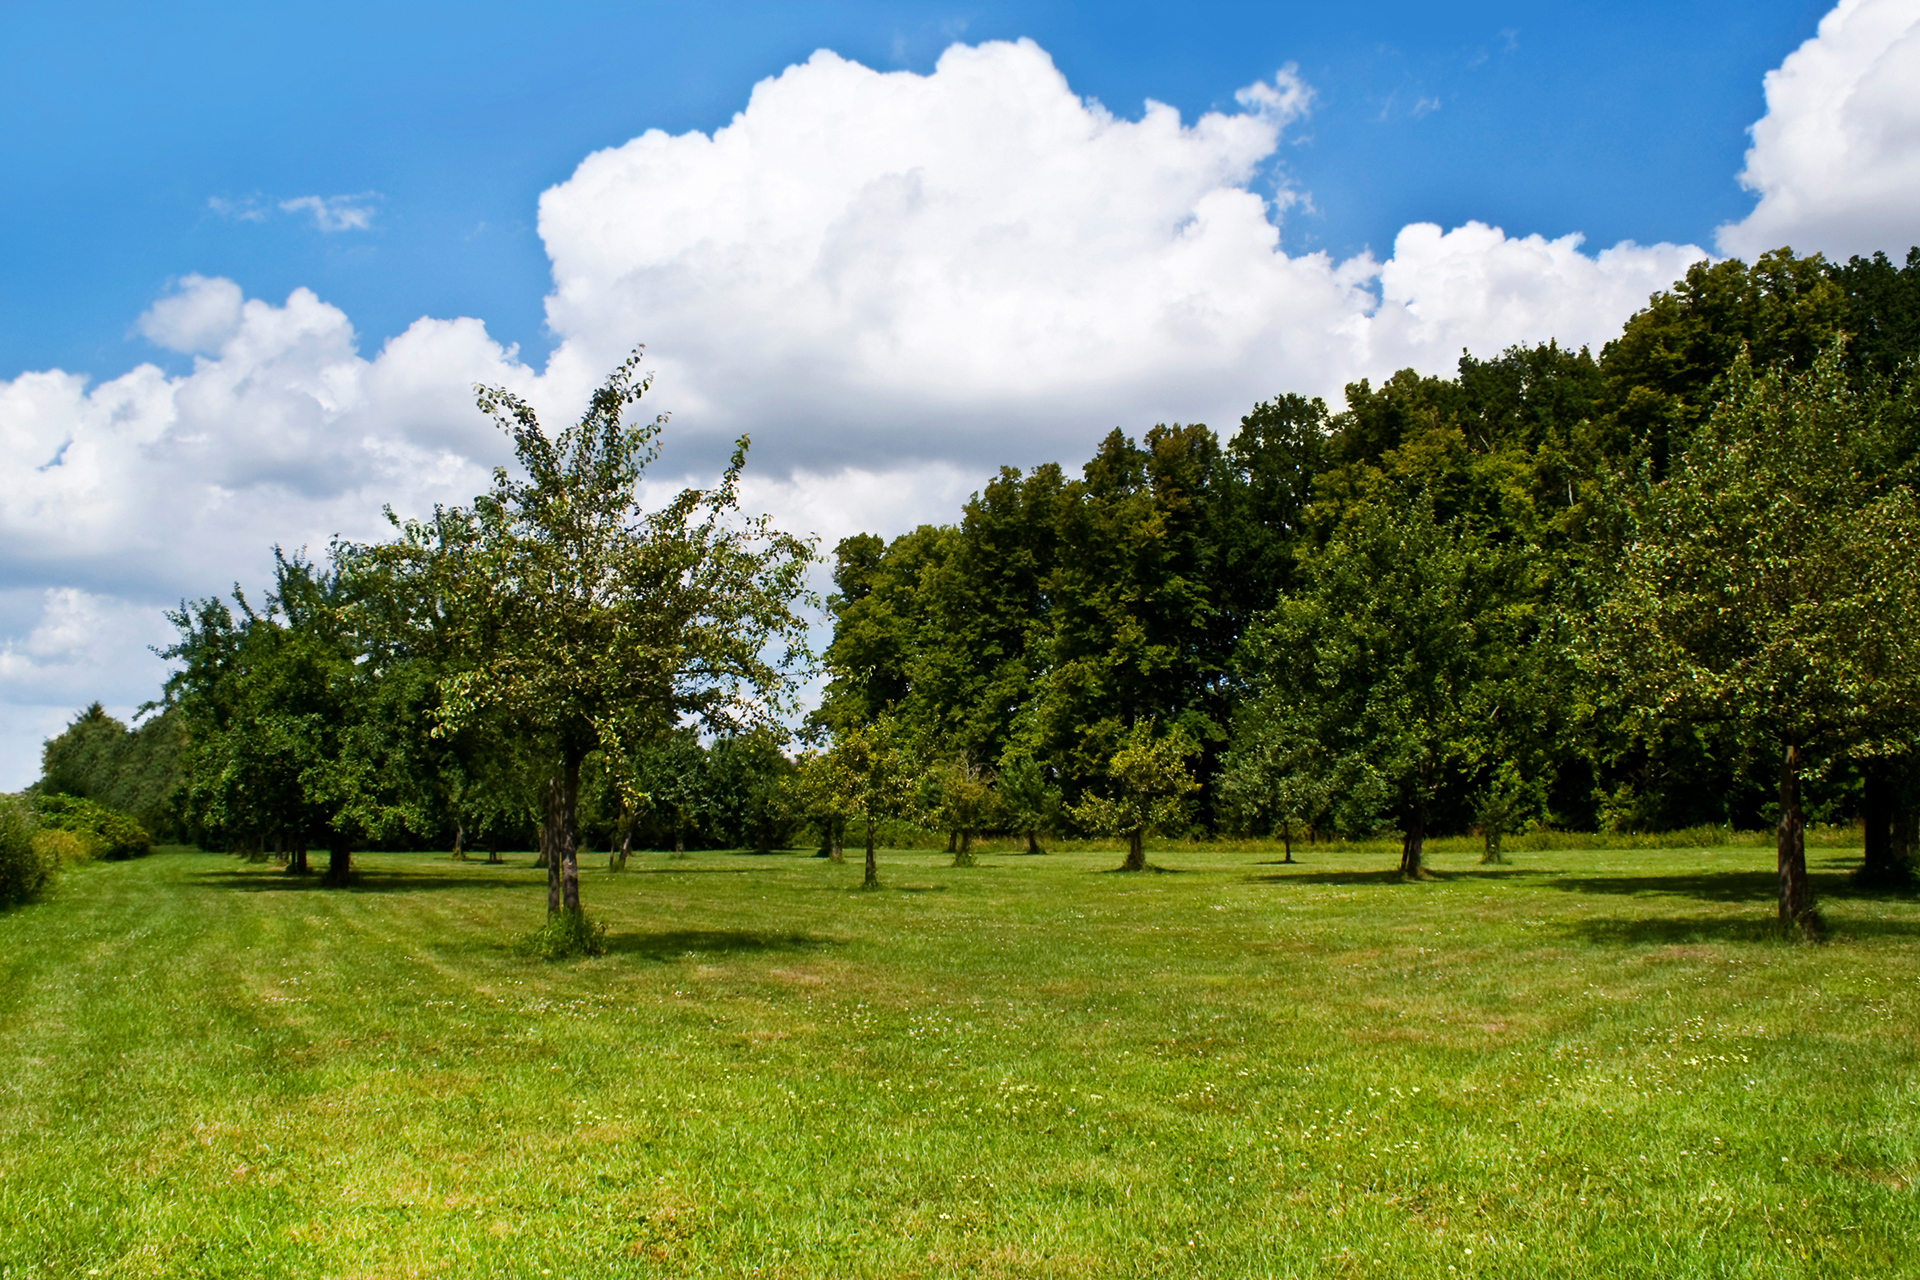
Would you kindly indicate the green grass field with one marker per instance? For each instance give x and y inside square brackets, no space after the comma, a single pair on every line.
[1584,1063]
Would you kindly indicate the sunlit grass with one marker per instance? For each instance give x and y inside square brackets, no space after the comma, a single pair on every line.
[1581,1063]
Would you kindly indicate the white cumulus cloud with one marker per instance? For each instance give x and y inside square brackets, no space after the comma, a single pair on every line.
[1836,159]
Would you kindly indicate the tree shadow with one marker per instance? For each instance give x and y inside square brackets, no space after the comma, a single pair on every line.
[675,944]
[361,881]
[1698,930]
[1392,876]
[1734,886]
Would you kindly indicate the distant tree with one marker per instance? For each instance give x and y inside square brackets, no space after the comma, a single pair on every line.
[1379,681]
[1277,776]
[1146,788]
[1030,800]
[875,767]
[962,799]
[1772,580]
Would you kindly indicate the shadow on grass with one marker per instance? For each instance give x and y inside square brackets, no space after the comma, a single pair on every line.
[1733,886]
[1696,930]
[674,944]
[362,881]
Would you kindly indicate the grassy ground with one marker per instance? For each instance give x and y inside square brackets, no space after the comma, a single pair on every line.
[1584,1063]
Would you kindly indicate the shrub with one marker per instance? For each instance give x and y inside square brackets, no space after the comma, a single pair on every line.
[24,870]
[565,934]
[66,848]
[113,834]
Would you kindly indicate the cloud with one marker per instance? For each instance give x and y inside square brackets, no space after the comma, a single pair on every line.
[335,213]
[978,266]
[330,213]
[1836,159]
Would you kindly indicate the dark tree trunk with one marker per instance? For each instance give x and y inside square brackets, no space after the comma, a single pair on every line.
[872,880]
[1033,841]
[339,859]
[493,848]
[297,856]
[459,843]
[953,842]
[1136,852]
[836,838]
[1286,840]
[1413,842]
[568,840]
[1882,863]
[1906,836]
[549,843]
[1796,895]
[626,843]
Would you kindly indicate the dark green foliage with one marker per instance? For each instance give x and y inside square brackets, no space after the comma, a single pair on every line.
[24,871]
[135,771]
[108,834]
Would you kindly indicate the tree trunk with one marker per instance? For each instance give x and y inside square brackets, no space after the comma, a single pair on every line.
[1906,836]
[339,859]
[1136,851]
[836,837]
[1796,895]
[1414,842]
[873,871]
[493,848]
[1880,864]
[568,842]
[297,856]
[1286,840]
[1033,841]
[549,843]
[953,842]
[626,844]
[459,843]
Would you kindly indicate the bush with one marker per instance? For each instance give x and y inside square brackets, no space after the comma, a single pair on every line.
[65,848]
[565,934]
[112,834]
[24,870]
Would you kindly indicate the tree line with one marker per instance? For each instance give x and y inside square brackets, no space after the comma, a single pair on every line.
[1669,584]
[1666,585]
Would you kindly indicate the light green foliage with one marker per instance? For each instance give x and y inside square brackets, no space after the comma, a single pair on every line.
[599,625]
[871,773]
[59,848]
[564,935]
[960,797]
[1210,1074]
[107,834]
[25,867]
[1147,788]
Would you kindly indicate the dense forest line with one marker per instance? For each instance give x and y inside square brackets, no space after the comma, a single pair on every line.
[1666,585]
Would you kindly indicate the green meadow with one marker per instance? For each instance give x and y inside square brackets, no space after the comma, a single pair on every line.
[1585,1062]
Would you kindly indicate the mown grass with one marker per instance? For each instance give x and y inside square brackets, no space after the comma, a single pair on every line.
[1583,1063]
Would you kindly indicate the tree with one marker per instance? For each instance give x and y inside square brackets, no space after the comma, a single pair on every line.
[1147,785]
[1772,580]
[1409,643]
[1031,801]
[603,625]
[874,771]
[1276,775]
[962,800]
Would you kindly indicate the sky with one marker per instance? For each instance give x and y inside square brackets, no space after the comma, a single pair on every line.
[259,255]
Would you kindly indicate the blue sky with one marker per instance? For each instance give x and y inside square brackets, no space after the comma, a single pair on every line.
[122,121]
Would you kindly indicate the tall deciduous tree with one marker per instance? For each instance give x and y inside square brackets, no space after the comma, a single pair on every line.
[604,624]
[1773,579]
